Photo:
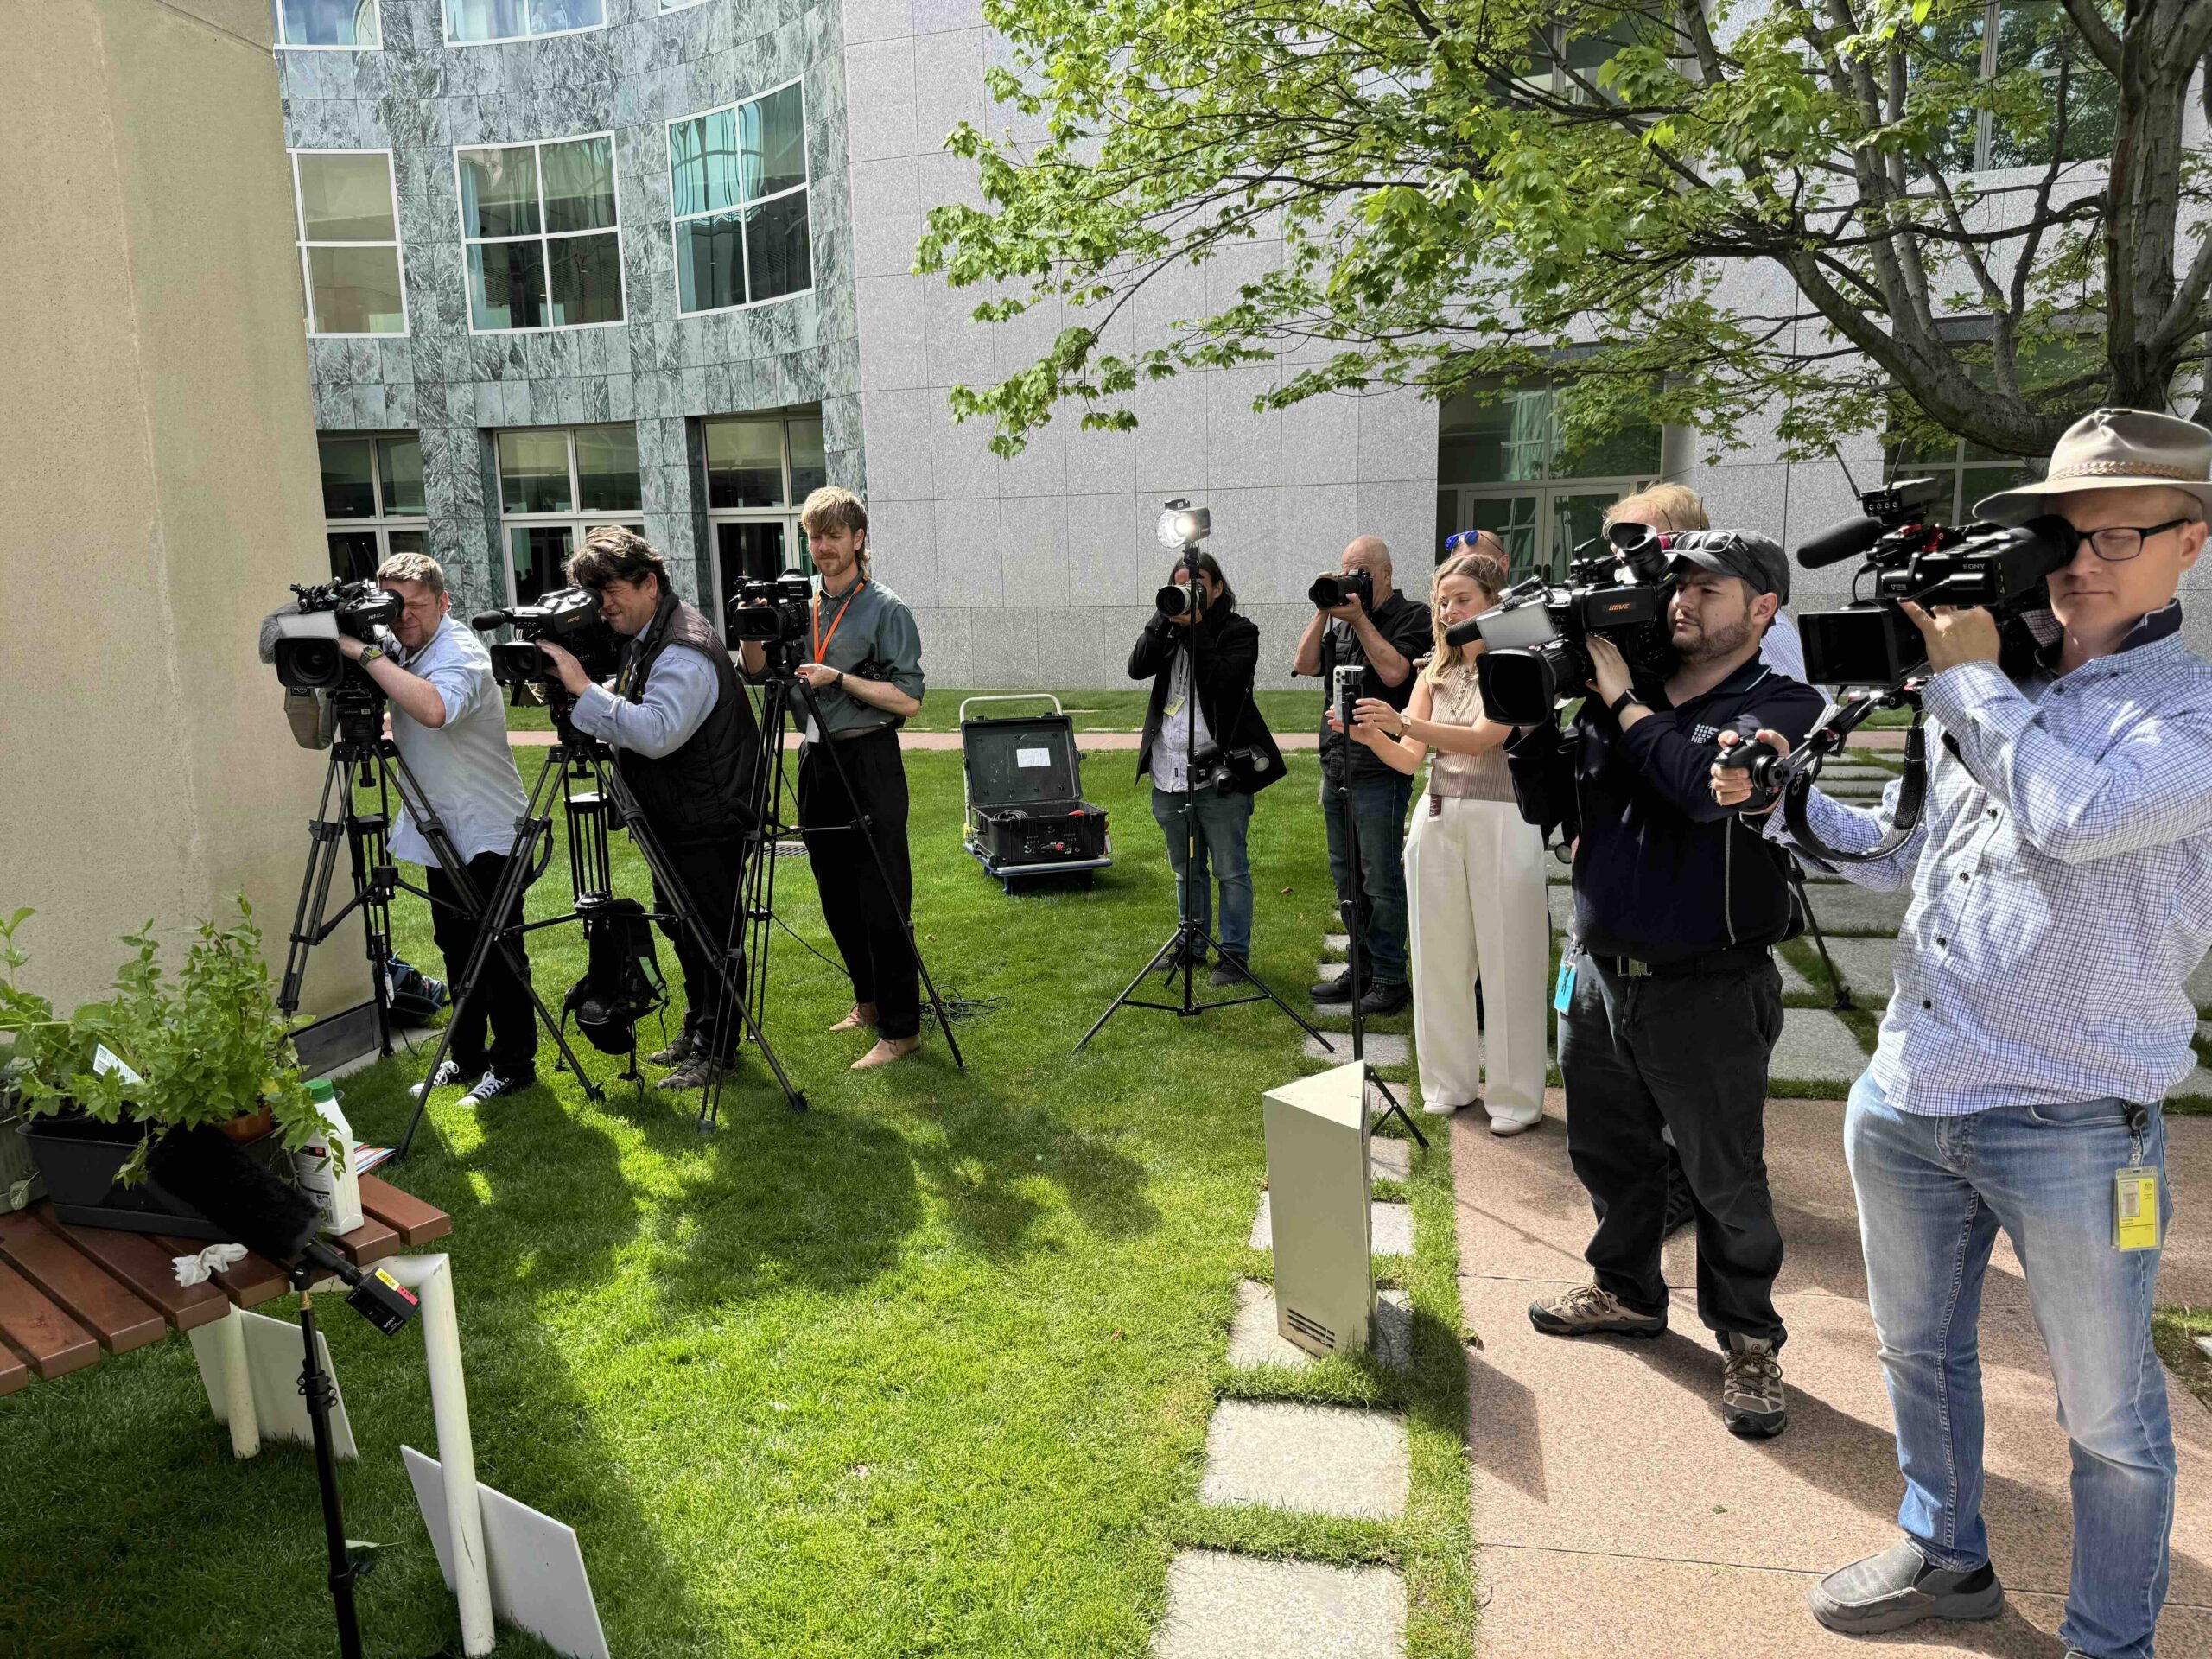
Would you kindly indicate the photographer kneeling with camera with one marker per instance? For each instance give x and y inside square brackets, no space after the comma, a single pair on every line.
[450,727]
[687,746]
[1220,752]
[1671,999]
[2061,892]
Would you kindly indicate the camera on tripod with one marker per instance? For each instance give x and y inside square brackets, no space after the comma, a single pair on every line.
[775,613]
[305,655]
[1328,592]
[569,618]
[1909,557]
[1535,651]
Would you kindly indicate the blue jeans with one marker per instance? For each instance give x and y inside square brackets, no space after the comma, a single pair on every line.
[1223,822]
[1932,1193]
[1378,814]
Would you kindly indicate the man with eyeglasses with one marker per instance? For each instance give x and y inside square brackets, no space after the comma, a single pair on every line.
[2062,880]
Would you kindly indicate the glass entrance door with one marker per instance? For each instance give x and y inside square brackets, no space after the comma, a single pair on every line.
[537,558]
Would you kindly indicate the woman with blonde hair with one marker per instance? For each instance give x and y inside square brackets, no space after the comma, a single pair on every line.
[1474,876]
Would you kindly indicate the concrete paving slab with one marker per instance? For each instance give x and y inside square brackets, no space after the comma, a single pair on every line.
[1391,1160]
[1691,1611]
[1843,908]
[1311,1460]
[1255,1338]
[1561,899]
[1337,944]
[1865,963]
[2200,984]
[1386,1050]
[1224,1606]
[1816,1047]
[1390,1228]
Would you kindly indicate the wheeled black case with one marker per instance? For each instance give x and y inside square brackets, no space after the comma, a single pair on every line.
[1026,817]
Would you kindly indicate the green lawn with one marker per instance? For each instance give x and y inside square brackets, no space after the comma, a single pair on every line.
[924,1370]
[1121,709]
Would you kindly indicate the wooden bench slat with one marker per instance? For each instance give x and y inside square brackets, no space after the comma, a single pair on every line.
[253,1281]
[120,1320]
[14,1374]
[144,1268]
[370,1242]
[51,1343]
[416,1221]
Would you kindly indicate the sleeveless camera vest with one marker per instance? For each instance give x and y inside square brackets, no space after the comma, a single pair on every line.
[702,791]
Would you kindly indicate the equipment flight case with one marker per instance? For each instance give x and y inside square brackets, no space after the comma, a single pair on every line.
[1023,786]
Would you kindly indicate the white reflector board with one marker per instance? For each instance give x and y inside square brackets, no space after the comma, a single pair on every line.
[272,1367]
[537,1568]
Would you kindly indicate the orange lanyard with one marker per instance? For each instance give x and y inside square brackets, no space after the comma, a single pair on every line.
[822,645]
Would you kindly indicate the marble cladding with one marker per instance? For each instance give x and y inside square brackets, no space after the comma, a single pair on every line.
[421,98]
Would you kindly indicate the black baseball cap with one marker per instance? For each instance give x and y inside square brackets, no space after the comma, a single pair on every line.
[1756,559]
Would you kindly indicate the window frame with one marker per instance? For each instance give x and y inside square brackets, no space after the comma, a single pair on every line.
[445,28]
[1546,561]
[576,519]
[677,220]
[380,523]
[541,237]
[280,44]
[796,557]
[1981,159]
[398,245]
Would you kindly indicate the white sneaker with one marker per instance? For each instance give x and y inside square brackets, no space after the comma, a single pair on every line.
[448,1071]
[1442,1109]
[491,1086]
[1502,1127]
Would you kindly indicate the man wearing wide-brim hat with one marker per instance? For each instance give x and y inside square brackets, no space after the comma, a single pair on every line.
[2062,881]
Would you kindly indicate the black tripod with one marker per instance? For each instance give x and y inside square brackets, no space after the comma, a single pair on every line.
[1188,945]
[1795,875]
[318,1389]
[362,752]
[782,693]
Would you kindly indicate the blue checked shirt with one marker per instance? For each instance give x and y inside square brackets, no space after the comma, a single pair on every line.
[2062,882]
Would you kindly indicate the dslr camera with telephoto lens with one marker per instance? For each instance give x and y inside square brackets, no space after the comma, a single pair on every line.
[1535,652]
[568,617]
[1330,590]
[1182,598]
[305,655]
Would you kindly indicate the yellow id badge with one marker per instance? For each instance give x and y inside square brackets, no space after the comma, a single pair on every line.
[1171,707]
[2135,1209]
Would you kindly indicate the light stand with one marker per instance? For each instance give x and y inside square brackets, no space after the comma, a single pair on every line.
[317,1389]
[1189,940]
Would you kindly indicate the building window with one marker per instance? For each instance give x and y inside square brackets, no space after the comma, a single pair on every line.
[2002,37]
[372,500]
[350,25]
[537,223]
[1503,466]
[484,23]
[737,181]
[556,485]
[349,241]
[760,470]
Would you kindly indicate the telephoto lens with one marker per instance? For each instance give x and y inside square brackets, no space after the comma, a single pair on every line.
[1177,598]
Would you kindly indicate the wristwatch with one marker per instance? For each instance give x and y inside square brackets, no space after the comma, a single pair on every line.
[1620,703]
[841,679]
[370,652]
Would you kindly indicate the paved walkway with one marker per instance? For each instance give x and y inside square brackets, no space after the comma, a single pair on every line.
[1614,1516]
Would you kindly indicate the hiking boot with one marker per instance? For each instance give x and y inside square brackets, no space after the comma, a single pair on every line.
[1592,1310]
[1338,990]
[448,1071]
[677,1051]
[1900,1587]
[1386,999]
[1227,971]
[491,1085]
[1751,1401]
[699,1071]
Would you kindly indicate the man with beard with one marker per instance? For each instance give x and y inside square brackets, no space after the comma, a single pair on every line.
[1670,997]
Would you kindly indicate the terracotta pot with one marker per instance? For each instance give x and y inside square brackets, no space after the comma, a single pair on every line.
[250,1126]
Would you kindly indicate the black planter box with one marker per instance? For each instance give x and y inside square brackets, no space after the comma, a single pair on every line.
[79,1157]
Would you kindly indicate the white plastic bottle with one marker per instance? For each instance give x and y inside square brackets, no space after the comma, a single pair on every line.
[336,1191]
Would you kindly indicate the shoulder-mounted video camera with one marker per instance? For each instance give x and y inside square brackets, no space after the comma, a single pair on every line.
[1909,557]
[304,649]
[1534,651]
[776,613]
[569,618]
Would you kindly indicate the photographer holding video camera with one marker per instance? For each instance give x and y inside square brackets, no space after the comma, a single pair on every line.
[1670,998]
[451,730]
[1220,754]
[2061,874]
[1362,624]
[686,744]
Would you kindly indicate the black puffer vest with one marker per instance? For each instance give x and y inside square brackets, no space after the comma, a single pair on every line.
[703,791]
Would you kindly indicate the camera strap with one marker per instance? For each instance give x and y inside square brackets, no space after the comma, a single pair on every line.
[821,645]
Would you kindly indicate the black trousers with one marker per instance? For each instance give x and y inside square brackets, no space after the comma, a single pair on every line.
[863,916]
[711,872]
[501,999]
[1687,1053]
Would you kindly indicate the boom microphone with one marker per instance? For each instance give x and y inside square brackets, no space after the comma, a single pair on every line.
[484,619]
[205,1167]
[1839,542]
[1461,634]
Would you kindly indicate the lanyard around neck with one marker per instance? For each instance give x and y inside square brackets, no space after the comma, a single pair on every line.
[822,645]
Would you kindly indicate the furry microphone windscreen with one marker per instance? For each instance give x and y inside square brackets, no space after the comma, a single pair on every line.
[205,1167]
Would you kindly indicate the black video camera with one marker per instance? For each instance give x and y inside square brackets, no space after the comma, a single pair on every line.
[305,655]
[775,613]
[1871,641]
[569,618]
[1535,654]
[1330,591]
[1181,598]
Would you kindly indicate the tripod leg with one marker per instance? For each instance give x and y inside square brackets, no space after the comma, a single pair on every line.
[1129,989]
[314,888]
[365,845]
[1819,940]
[1395,1109]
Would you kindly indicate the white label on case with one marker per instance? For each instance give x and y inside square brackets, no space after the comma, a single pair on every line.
[1027,758]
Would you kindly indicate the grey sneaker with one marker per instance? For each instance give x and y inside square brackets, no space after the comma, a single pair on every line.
[699,1071]
[1224,973]
[1590,1310]
[1899,1587]
[677,1051]
[448,1071]
[1751,1401]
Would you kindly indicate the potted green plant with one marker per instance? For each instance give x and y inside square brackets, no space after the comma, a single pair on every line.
[97,1089]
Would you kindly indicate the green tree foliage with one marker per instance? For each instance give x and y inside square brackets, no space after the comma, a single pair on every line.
[1478,194]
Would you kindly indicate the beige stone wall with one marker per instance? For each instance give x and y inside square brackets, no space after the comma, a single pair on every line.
[158,483]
